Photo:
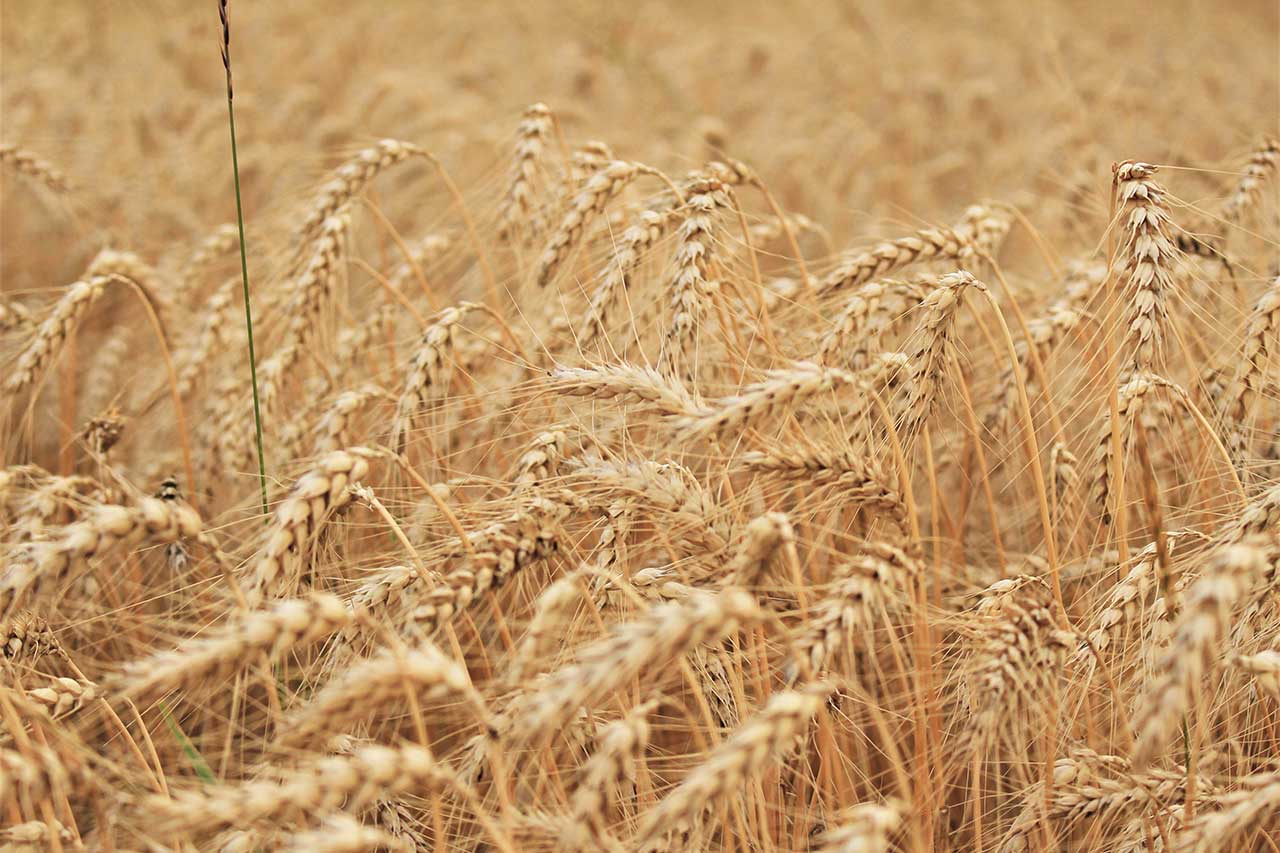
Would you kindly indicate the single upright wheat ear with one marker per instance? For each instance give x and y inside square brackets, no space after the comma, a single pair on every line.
[933,348]
[517,211]
[426,379]
[1149,256]
[693,284]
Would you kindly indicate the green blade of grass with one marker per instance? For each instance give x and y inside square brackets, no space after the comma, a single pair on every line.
[244,263]
[201,767]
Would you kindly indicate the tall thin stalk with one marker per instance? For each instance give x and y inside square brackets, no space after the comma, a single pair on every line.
[244,263]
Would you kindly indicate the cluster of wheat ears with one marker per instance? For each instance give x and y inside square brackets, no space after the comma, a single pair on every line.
[621,510]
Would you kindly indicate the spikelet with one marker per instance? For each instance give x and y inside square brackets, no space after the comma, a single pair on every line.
[64,696]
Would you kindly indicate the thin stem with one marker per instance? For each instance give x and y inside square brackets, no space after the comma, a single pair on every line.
[244,262]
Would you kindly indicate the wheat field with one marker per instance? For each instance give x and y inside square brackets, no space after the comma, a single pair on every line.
[679,426]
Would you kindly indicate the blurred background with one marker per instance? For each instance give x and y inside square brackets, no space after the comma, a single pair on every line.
[863,116]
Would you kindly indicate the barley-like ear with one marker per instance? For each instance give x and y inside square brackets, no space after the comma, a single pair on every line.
[586,206]
[518,210]
[1250,374]
[1237,816]
[864,828]
[105,527]
[664,633]
[649,228]
[426,379]
[620,745]
[883,258]
[347,783]
[782,391]
[865,318]
[34,167]
[1195,644]
[665,394]
[53,332]
[1261,166]
[317,494]
[287,625]
[1132,397]
[693,282]
[350,179]
[732,764]
[366,688]
[933,348]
